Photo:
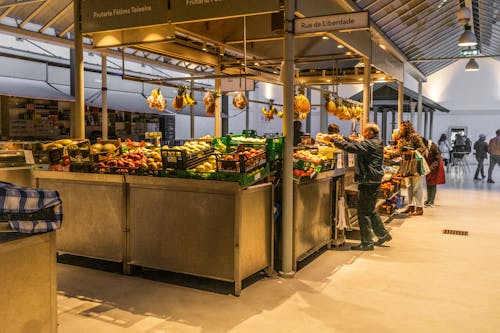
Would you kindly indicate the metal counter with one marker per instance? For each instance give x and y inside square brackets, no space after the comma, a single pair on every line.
[28,297]
[313,219]
[205,228]
[21,175]
[94,213]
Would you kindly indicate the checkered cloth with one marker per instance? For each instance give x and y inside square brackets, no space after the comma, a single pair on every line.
[30,210]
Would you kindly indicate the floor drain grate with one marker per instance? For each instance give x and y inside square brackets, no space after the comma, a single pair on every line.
[455,232]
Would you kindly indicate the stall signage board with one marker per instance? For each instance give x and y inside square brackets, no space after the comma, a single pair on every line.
[351,160]
[199,10]
[106,15]
[236,84]
[337,22]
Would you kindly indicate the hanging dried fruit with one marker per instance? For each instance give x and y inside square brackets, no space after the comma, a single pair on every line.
[178,101]
[156,100]
[209,101]
[301,103]
[240,101]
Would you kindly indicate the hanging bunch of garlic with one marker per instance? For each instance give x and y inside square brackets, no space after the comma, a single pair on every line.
[156,100]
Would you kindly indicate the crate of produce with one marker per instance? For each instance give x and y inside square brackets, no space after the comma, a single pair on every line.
[241,162]
[181,159]
[387,189]
[193,174]
[274,148]
[329,164]
[387,208]
[245,179]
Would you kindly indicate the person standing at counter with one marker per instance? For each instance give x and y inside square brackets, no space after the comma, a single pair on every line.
[368,175]
[410,140]
[297,132]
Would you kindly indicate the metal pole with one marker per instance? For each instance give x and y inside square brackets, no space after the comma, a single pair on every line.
[431,124]
[419,108]
[78,116]
[247,111]
[308,118]
[104,96]
[218,104]
[323,116]
[384,125]
[426,122]
[366,92]
[400,102]
[288,89]
[191,111]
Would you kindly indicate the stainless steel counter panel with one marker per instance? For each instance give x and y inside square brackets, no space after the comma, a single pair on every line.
[22,176]
[94,213]
[312,217]
[204,228]
[28,297]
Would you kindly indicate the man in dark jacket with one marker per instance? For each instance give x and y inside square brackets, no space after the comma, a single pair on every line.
[481,148]
[368,174]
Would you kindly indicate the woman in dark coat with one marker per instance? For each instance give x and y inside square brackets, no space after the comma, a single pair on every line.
[437,174]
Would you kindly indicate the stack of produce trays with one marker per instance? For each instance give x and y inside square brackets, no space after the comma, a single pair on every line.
[245,167]
[187,156]
[306,164]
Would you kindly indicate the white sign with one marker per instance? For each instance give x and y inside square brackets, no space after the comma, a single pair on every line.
[351,160]
[236,84]
[338,22]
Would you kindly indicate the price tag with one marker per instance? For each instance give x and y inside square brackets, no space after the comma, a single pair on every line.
[171,159]
[28,156]
[257,176]
[350,160]
[340,160]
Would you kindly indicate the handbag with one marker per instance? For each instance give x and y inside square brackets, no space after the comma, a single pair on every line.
[423,167]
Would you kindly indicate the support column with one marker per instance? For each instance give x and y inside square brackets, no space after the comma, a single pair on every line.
[384,126]
[225,113]
[78,115]
[191,115]
[288,91]
[400,102]
[413,108]
[323,116]
[218,101]
[426,122]
[375,115]
[104,96]
[431,123]
[247,111]
[366,92]
[394,125]
[419,108]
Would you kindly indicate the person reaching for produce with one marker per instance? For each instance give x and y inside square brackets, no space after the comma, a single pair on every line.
[368,174]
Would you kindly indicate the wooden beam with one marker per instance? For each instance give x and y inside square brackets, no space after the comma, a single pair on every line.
[33,14]
[65,31]
[19,3]
[55,18]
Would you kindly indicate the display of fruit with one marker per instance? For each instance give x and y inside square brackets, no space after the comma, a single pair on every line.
[156,100]
[301,105]
[60,143]
[243,139]
[208,166]
[330,106]
[178,101]
[302,173]
[306,155]
[209,101]
[193,147]
[240,100]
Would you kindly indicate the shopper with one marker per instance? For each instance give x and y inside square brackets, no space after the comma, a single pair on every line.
[333,128]
[444,147]
[494,150]
[368,175]
[459,143]
[297,133]
[437,175]
[409,139]
[481,152]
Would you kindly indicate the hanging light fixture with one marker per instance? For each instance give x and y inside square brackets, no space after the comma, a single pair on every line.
[467,38]
[204,46]
[472,66]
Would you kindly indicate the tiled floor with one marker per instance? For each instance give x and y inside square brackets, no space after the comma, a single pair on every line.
[424,281]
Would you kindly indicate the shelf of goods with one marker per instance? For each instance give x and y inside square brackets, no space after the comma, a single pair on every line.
[28,297]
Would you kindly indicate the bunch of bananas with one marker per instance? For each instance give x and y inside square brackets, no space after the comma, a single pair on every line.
[188,99]
[301,105]
[269,113]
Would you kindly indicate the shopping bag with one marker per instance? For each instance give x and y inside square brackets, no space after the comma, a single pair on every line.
[423,167]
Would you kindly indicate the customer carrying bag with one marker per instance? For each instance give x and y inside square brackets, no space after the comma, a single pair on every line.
[422,167]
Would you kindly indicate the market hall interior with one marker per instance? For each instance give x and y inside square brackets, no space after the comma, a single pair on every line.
[424,281]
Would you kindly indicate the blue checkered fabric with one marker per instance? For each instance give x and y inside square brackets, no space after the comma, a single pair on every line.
[30,210]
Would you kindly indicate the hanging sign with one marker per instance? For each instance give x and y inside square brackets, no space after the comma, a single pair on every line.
[338,22]
[106,15]
[200,10]
[228,84]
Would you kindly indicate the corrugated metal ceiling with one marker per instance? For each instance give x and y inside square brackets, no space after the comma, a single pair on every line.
[419,28]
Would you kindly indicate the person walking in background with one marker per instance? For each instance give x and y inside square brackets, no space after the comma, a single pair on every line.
[444,147]
[437,175]
[368,174]
[459,143]
[481,152]
[409,139]
[297,132]
[494,150]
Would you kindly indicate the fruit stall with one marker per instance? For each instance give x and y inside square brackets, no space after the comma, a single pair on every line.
[203,208]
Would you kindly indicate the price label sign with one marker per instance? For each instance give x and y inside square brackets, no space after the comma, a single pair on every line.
[350,160]
[340,160]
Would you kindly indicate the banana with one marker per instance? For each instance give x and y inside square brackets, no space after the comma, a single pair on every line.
[264,111]
[191,99]
[185,100]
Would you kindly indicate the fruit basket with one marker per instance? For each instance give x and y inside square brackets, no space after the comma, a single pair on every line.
[241,162]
